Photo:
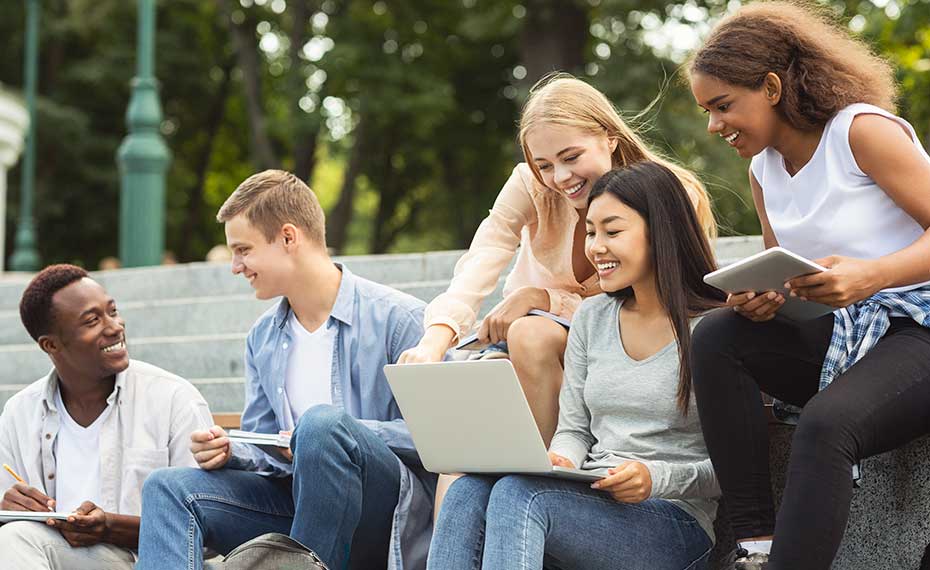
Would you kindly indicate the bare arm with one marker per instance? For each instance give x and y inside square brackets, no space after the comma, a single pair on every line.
[759,306]
[886,153]
[768,236]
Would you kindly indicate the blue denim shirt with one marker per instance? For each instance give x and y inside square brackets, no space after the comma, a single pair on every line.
[374,324]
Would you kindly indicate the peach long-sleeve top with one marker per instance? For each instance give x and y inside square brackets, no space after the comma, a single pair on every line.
[541,223]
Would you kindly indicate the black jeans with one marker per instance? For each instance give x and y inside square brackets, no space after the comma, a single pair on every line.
[877,405]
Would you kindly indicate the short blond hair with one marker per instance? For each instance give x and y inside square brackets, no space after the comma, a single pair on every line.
[564,100]
[273,198]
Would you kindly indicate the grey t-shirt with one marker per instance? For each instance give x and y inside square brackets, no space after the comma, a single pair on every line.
[615,409]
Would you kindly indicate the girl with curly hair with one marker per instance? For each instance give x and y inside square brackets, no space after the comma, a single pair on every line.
[837,177]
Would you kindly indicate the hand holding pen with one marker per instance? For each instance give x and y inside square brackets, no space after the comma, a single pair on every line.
[22,497]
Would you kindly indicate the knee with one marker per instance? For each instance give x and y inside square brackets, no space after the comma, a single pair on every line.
[511,491]
[716,330]
[318,426]
[467,497]
[167,483]
[536,339]
[20,536]
[826,423]
[711,339]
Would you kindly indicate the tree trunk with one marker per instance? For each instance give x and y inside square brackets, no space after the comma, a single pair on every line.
[247,57]
[306,127]
[553,38]
[194,223]
[337,231]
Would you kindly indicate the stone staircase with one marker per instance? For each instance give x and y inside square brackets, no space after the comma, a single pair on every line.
[192,319]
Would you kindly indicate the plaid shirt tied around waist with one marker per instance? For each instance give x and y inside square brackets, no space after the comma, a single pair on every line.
[856,330]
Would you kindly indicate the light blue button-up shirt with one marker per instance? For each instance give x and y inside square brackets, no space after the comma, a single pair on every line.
[374,324]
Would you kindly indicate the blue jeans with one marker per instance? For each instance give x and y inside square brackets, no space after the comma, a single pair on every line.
[522,523]
[341,499]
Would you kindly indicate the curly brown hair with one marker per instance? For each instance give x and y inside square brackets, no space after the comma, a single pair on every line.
[821,66]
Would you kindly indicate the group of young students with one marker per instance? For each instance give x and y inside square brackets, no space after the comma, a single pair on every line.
[656,385]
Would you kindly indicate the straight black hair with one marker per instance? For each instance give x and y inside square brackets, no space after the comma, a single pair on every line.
[678,248]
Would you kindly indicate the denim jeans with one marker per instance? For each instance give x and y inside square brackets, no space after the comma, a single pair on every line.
[523,523]
[341,499]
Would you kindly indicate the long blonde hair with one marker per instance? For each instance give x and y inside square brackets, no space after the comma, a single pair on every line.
[564,100]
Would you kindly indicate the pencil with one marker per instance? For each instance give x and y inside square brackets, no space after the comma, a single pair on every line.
[13,473]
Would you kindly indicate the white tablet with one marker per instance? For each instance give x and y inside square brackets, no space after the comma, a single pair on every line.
[768,271]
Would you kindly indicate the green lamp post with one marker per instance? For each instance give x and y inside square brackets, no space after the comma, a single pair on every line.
[143,157]
[25,257]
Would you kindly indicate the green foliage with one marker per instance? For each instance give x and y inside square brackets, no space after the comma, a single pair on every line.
[425,94]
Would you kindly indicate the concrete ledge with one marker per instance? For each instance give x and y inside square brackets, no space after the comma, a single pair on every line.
[214,279]
[889,522]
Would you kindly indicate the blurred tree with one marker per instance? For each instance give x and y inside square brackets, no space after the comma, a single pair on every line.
[402,113]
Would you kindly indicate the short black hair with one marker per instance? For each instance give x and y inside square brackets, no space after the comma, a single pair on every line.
[35,308]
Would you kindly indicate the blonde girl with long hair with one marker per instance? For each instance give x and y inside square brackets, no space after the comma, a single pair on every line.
[570,134]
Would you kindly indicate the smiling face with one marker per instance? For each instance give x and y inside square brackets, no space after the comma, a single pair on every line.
[617,244]
[267,266]
[745,118]
[88,337]
[570,160]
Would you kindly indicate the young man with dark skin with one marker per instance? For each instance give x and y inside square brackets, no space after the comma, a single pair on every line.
[85,437]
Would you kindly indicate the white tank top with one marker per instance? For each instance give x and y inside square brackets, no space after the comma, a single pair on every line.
[831,207]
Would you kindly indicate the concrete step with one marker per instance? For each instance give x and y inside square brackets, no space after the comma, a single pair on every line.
[731,249]
[207,355]
[214,279]
[194,316]
[225,395]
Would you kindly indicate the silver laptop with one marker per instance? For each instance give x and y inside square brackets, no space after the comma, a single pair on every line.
[472,417]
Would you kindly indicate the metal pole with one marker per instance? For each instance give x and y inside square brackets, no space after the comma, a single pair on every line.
[25,257]
[143,157]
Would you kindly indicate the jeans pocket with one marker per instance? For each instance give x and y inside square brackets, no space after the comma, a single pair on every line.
[700,563]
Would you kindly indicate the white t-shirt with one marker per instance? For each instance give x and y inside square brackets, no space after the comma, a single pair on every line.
[308,379]
[77,460]
[831,207]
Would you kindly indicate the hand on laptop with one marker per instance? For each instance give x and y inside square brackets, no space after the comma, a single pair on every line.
[22,497]
[559,461]
[757,307]
[431,348]
[210,448]
[628,482]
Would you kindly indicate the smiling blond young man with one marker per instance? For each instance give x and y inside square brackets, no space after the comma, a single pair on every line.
[85,437]
[351,486]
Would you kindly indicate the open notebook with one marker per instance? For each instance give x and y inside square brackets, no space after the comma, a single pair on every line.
[11,516]
[255,438]
[471,341]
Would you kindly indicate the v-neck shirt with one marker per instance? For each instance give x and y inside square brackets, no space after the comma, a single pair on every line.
[309,366]
[614,408]
[77,459]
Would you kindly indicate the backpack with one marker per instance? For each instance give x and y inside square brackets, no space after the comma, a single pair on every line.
[271,551]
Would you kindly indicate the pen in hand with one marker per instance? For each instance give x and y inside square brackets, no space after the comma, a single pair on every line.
[13,473]
[25,488]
